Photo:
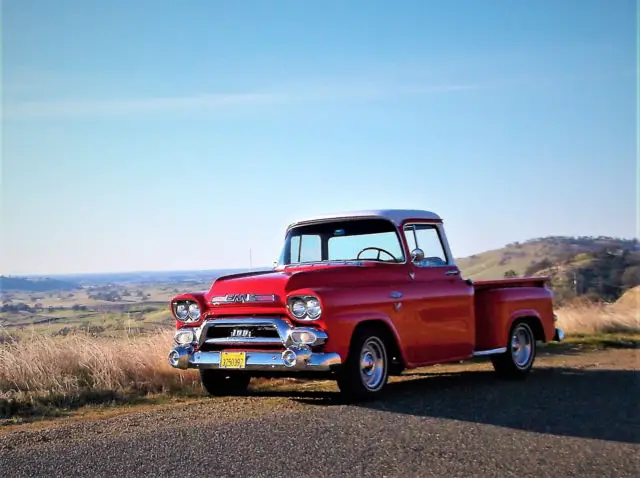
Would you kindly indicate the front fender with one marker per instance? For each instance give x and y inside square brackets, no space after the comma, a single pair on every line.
[198,297]
[340,330]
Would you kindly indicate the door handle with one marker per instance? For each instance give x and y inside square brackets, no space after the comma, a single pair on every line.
[452,273]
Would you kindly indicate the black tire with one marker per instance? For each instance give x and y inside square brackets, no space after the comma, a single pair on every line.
[365,373]
[517,362]
[222,382]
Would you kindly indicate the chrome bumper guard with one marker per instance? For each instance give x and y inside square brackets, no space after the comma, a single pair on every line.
[297,356]
[292,359]
[559,335]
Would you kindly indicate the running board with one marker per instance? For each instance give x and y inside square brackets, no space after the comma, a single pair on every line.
[480,353]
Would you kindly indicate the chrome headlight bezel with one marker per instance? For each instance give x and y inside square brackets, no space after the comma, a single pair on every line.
[193,311]
[304,307]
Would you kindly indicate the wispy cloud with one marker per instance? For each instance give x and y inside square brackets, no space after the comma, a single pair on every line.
[219,102]
[97,107]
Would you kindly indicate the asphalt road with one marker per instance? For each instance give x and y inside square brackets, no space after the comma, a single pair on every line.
[574,416]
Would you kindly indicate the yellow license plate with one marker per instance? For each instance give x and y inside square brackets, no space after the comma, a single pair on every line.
[233,359]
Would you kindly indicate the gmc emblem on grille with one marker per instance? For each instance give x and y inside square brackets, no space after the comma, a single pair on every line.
[243,298]
[240,298]
[240,333]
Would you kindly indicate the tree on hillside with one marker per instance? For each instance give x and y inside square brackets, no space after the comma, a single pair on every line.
[630,277]
[606,276]
[537,267]
[510,273]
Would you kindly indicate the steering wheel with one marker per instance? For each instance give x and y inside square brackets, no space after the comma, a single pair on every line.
[379,249]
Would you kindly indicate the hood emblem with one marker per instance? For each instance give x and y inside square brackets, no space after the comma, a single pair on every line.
[243,298]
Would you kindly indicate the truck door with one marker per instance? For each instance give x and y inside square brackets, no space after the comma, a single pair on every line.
[441,301]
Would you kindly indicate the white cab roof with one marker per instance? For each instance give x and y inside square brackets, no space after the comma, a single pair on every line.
[397,216]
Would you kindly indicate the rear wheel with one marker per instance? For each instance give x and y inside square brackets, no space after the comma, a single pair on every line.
[517,361]
[366,370]
[222,382]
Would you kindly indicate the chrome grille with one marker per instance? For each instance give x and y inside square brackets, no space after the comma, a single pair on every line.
[239,331]
[245,331]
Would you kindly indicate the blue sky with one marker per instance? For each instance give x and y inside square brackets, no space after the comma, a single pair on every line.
[159,135]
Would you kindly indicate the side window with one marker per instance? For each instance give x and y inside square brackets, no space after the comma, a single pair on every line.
[426,238]
[306,248]
[411,238]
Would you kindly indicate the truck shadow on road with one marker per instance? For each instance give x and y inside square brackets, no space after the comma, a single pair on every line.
[598,404]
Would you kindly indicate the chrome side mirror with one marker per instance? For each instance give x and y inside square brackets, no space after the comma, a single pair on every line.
[417,255]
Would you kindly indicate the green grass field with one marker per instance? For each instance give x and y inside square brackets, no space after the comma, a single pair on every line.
[131,308]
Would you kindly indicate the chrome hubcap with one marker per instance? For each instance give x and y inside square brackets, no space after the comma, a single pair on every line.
[372,363]
[521,347]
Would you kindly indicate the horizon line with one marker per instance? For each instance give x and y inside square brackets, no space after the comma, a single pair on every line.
[250,267]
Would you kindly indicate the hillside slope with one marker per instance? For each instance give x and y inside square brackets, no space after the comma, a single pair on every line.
[539,253]
[35,285]
[599,269]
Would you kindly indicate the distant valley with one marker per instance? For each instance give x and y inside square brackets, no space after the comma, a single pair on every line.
[592,268]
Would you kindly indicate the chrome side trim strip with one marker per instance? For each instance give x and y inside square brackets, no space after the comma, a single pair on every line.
[480,353]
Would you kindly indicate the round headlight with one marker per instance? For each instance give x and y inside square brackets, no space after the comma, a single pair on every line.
[313,308]
[298,308]
[194,311]
[305,307]
[182,312]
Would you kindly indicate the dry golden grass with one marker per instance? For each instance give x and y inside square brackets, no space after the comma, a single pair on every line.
[584,317]
[40,371]
[629,300]
[42,375]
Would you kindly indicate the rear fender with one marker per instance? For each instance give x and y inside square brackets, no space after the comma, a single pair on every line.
[526,314]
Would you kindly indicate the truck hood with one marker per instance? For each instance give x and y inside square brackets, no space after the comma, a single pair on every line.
[269,288]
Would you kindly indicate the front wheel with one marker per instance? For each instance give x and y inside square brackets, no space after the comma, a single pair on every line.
[366,370]
[221,382]
[517,361]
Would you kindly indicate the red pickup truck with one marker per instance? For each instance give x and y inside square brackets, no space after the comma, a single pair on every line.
[358,297]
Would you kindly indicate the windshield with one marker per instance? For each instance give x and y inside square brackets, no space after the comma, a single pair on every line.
[349,240]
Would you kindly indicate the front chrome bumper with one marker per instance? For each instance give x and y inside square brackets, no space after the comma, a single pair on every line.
[559,335]
[296,356]
[292,359]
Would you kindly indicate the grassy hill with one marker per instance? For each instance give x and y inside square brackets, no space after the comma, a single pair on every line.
[521,257]
[598,268]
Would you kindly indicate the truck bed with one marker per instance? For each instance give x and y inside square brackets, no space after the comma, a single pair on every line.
[499,302]
[511,282]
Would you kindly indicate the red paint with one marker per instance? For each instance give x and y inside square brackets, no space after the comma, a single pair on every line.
[442,317]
